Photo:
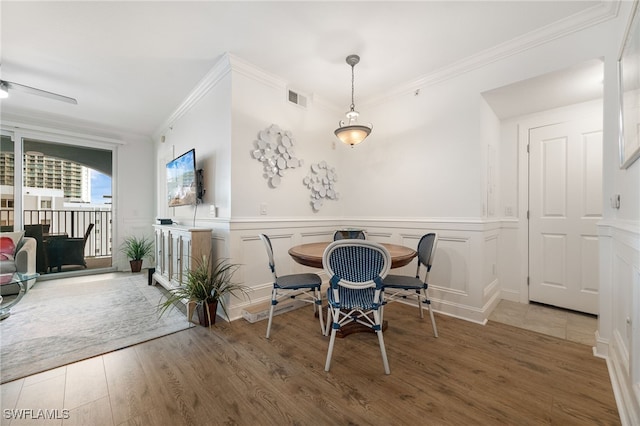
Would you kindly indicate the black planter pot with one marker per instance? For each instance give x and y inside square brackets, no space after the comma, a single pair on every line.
[136,265]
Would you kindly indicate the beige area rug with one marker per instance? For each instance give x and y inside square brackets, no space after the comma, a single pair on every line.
[63,321]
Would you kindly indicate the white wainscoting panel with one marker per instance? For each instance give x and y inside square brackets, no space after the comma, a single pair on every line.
[463,280]
[450,269]
[491,260]
[618,338]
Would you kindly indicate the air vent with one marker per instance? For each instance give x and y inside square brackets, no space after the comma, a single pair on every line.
[297,98]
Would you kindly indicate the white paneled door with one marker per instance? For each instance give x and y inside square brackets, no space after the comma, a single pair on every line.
[565,203]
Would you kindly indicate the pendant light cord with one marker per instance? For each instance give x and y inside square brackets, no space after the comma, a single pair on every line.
[353,106]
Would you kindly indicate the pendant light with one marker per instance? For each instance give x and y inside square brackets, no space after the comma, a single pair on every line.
[350,132]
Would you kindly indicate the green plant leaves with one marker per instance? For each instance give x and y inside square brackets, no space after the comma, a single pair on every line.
[208,282]
[137,248]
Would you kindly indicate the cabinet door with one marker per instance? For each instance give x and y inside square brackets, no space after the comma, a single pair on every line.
[157,235]
[162,252]
[189,261]
[182,241]
[175,269]
[178,250]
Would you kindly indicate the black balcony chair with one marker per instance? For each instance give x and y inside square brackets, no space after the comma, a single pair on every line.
[68,251]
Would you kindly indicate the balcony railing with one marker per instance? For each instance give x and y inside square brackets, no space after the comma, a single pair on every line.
[74,223]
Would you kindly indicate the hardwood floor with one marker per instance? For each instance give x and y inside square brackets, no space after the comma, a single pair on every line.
[471,374]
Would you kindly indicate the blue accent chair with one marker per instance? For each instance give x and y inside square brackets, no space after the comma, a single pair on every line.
[399,287]
[304,287]
[356,269]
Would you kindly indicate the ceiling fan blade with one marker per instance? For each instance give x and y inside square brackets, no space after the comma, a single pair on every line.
[39,92]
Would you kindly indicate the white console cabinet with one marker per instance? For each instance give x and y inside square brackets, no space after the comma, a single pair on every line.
[179,249]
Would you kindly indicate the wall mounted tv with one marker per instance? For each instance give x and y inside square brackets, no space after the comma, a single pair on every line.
[182,184]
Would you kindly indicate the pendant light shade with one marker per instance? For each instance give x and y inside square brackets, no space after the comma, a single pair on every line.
[350,132]
[352,135]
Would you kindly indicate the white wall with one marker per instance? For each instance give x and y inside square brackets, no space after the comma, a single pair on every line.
[206,126]
[619,329]
[259,100]
[134,194]
[423,148]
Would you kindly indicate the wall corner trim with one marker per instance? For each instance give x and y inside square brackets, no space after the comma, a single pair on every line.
[210,80]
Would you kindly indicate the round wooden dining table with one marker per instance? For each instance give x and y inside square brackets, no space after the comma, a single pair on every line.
[310,254]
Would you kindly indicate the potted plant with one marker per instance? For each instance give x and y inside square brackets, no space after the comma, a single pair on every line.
[207,285]
[136,249]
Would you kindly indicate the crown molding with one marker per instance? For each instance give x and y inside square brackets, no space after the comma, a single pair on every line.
[221,68]
[253,72]
[602,12]
[226,64]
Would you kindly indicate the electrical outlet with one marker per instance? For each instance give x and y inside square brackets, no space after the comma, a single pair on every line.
[212,211]
[263,209]
[615,201]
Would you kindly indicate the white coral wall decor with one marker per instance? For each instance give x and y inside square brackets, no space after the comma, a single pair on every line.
[321,182]
[274,149]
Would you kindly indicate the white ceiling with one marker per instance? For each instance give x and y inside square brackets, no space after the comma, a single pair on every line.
[130,64]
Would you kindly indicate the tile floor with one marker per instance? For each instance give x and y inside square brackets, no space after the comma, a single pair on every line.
[565,324]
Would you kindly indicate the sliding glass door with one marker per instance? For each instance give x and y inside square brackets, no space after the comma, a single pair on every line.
[59,192]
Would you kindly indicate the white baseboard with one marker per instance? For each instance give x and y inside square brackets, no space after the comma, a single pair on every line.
[259,312]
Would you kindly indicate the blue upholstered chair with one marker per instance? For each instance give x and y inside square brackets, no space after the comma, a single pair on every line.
[356,269]
[397,287]
[345,234]
[304,287]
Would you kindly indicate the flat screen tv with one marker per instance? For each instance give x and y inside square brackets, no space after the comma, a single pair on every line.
[181,180]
